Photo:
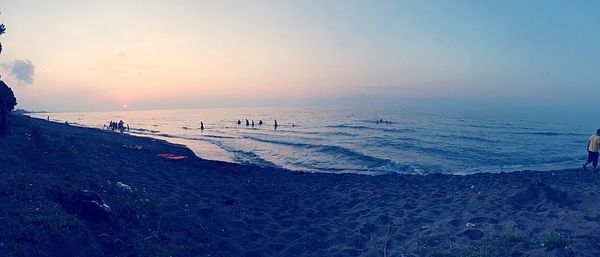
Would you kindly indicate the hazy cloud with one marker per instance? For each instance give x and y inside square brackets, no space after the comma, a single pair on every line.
[22,70]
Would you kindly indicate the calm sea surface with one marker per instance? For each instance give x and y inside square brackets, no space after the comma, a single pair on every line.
[418,141]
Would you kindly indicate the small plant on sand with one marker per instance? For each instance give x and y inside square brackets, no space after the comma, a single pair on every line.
[554,241]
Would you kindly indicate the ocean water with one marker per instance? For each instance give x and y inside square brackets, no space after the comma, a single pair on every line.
[418,140]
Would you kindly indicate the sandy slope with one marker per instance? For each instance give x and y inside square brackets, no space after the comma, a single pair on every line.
[194,207]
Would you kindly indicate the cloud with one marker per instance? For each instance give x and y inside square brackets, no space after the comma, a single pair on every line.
[22,70]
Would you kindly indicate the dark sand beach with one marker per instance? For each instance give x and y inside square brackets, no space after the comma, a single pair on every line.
[195,207]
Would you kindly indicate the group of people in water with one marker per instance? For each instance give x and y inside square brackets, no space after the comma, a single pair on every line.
[383,121]
[120,126]
[251,123]
[260,123]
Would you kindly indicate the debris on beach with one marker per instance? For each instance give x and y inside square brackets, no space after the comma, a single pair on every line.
[134,147]
[123,186]
[90,205]
[172,157]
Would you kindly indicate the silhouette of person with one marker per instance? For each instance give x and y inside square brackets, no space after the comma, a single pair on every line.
[239,122]
[247,123]
[201,125]
[253,123]
[276,125]
[121,125]
[260,122]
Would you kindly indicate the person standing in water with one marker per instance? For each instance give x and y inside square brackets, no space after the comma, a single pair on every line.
[275,125]
[247,123]
[592,147]
[252,123]
[121,125]
[201,125]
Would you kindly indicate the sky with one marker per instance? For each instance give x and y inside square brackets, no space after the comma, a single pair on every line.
[72,55]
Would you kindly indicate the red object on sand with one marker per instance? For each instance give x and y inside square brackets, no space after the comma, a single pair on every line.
[170,156]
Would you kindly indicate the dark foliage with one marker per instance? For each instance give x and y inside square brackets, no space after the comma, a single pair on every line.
[2,30]
[7,95]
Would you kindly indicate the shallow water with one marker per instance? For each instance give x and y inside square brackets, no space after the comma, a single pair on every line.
[418,141]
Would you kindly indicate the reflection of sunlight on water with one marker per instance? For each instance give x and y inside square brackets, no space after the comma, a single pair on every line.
[343,140]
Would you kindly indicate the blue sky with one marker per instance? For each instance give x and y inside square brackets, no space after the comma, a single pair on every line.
[102,55]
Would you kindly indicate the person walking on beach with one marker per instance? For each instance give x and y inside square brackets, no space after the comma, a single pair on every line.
[593,145]
[201,126]
[252,123]
[247,123]
[275,125]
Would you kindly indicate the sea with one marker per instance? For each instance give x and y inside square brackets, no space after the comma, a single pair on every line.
[360,140]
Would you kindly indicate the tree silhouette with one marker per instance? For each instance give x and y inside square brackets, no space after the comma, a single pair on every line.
[2,30]
[7,97]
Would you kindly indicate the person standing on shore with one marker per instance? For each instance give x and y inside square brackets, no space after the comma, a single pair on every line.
[593,146]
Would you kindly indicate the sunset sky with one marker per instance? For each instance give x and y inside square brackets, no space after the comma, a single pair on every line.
[101,55]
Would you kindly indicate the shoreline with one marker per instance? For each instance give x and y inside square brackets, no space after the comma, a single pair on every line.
[196,207]
[216,153]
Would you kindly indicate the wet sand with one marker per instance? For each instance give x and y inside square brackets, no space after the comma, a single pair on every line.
[195,207]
